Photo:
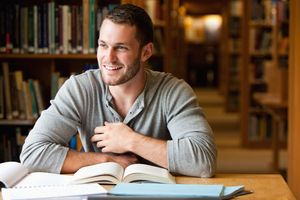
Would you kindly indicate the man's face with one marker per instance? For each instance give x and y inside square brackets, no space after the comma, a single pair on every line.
[118,54]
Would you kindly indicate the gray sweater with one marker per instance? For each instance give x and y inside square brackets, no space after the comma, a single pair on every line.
[167,109]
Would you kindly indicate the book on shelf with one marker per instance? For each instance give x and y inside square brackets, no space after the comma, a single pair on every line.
[85,31]
[48,27]
[7,94]
[11,141]
[1,98]
[21,99]
[20,94]
[19,183]
[263,10]
[236,8]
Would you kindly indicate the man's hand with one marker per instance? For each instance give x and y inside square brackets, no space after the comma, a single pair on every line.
[113,137]
[119,138]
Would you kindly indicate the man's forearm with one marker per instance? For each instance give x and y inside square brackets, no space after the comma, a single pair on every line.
[75,160]
[151,149]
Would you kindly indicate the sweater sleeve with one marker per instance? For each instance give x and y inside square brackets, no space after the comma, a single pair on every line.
[192,150]
[46,145]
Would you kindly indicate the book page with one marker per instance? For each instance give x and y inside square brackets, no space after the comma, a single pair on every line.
[95,172]
[143,172]
[44,179]
[53,192]
[11,173]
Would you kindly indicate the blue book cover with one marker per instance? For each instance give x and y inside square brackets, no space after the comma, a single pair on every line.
[153,189]
[214,191]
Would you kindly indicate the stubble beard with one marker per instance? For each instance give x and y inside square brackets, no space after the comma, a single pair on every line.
[131,72]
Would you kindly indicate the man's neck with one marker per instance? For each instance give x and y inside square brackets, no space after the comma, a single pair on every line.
[125,95]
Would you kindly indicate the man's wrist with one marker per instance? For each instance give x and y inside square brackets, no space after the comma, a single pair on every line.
[134,141]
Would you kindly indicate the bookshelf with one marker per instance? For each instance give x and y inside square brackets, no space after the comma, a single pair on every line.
[294,98]
[47,41]
[265,74]
[232,54]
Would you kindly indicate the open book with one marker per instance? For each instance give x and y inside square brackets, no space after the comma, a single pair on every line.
[15,177]
[113,173]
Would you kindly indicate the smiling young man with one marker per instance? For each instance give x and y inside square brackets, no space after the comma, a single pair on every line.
[123,111]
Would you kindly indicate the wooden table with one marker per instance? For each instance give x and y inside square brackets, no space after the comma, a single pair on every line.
[264,186]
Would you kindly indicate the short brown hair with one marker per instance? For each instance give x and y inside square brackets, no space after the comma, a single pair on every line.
[134,16]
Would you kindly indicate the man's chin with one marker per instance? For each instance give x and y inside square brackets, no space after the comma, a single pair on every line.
[113,82]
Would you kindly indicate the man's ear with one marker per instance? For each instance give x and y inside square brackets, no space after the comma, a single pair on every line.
[147,52]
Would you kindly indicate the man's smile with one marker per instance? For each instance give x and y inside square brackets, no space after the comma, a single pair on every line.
[112,67]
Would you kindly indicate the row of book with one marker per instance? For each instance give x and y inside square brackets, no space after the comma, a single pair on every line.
[264,11]
[11,141]
[50,28]
[260,40]
[270,11]
[260,127]
[19,98]
[257,69]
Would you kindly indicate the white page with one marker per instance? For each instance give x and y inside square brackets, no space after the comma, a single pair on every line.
[148,171]
[44,179]
[52,191]
[109,168]
[11,173]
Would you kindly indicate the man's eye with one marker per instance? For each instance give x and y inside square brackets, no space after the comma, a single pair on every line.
[102,45]
[121,48]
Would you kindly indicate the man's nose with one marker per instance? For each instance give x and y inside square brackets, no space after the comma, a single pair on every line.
[111,55]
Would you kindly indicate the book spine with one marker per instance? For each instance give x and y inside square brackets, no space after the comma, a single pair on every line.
[39,97]
[65,26]
[14,93]
[45,29]
[1,98]
[30,30]
[85,24]
[79,23]
[16,29]
[56,25]
[27,101]
[2,31]
[35,28]
[40,29]
[20,94]
[9,29]
[8,109]
[32,93]
[92,26]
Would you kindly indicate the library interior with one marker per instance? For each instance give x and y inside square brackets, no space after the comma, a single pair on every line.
[239,56]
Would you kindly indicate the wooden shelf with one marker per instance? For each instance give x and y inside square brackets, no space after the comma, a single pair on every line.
[16,122]
[259,23]
[259,110]
[48,56]
[231,55]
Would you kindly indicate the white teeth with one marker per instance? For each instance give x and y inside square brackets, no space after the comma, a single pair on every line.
[111,67]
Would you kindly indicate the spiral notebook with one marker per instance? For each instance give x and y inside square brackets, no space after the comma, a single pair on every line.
[19,183]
